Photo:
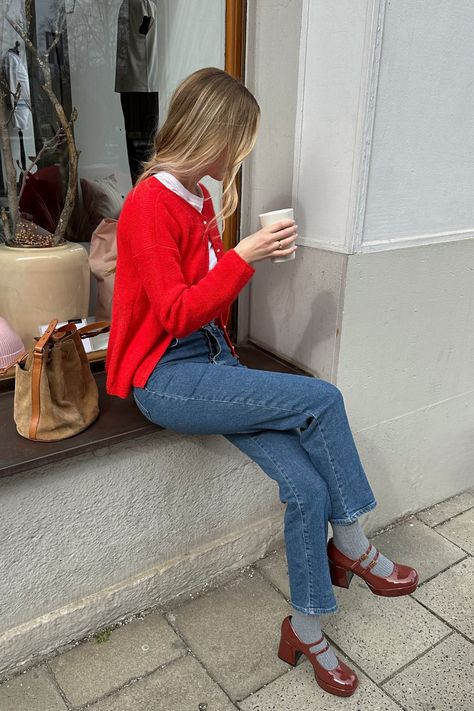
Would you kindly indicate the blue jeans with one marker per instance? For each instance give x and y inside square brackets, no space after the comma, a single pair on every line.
[294,427]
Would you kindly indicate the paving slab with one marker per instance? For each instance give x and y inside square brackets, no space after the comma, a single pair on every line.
[275,568]
[298,691]
[446,509]
[460,530]
[235,631]
[32,691]
[91,670]
[381,634]
[441,680]
[180,686]
[413,543]
[450,596]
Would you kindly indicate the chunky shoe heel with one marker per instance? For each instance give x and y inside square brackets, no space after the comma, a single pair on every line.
[341,680]
[287,653]
[340,576]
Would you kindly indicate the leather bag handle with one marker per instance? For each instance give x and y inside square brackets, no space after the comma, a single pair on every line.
[88,331]
[41,342]
[38,358]
[94,329]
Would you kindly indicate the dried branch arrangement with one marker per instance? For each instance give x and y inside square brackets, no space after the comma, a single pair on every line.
[17,231]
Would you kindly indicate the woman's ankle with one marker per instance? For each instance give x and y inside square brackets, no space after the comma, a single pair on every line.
[352,541]
[308,629]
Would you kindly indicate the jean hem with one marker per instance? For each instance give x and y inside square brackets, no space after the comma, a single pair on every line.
[353,516]
[315,610]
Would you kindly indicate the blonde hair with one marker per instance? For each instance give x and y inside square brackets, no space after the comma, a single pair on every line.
[208,112]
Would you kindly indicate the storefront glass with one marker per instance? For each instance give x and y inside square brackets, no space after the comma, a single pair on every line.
[117,62]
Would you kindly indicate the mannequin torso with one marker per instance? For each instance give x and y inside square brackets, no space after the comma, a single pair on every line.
[137,51]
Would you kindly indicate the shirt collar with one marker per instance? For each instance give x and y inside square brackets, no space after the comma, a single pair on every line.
[171,182]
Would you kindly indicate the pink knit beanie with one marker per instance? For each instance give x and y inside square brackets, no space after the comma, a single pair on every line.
[11,345]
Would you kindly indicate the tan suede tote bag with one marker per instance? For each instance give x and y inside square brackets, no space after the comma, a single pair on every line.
[56,394]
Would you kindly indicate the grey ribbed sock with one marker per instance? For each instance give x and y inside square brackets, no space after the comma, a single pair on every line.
[308,629]
[352,541]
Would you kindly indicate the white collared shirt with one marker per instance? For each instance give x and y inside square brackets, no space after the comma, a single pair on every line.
[197,201]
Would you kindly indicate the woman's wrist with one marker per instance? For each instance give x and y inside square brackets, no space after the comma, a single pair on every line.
[240,249]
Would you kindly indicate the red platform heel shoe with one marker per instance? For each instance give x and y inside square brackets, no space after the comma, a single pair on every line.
[401,581]
[341,681]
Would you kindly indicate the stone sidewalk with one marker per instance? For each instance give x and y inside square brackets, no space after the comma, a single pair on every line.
[217,651]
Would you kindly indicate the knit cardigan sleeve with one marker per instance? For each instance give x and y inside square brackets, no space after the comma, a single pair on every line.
[181,308]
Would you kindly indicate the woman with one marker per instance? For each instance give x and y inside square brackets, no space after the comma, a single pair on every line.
[169,345]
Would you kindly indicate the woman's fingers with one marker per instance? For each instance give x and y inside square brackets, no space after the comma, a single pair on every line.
[285,237]
[281,225]
[285,243]
[283,234]
[287,246]
[284,250]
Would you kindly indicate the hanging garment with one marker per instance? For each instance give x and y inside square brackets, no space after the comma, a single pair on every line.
[140,113]
[14,74]
[137,50]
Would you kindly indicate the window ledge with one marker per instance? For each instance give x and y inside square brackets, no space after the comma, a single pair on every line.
[119,420]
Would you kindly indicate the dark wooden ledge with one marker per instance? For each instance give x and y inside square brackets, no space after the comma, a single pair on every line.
[119,420]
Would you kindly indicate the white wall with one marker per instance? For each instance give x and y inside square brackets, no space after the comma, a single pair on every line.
[294,309]
[334,54]
[421,173]
[406,358]
[380,159]
[392,329]
[94,539]
[271,74]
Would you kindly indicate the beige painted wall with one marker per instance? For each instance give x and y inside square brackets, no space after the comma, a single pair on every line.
[296,309]
[406,366]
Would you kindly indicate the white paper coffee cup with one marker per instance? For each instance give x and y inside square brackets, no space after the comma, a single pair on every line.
[269,218]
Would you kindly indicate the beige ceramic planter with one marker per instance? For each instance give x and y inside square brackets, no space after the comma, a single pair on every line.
[39,284]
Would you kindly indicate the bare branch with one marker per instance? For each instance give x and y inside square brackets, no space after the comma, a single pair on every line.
[65,125]
[9,221]
[14,99]
[28,11]
[6,225]
[8,93]
[57,30]
[49,145]
[54,43]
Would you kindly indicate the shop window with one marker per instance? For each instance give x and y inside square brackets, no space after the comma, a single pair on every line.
[115,62]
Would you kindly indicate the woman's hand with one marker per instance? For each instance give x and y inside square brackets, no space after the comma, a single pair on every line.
[264,243]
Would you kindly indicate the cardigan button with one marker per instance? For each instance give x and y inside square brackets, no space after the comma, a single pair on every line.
[205,222]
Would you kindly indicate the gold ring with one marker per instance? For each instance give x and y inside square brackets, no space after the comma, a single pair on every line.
[279,245]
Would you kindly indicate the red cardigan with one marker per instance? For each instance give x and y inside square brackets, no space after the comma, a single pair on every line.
[163,286]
